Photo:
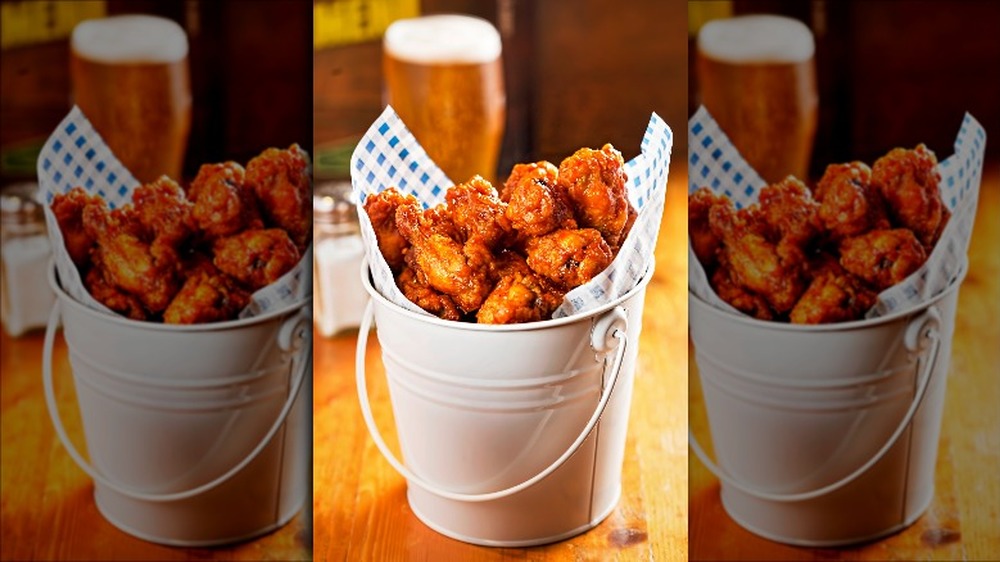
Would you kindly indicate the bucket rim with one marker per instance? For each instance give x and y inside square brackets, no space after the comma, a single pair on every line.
[66,298]
[503,328]
[697,302]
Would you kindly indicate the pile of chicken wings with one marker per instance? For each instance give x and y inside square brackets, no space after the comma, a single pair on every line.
[509,256]
[821,256]
[194,257]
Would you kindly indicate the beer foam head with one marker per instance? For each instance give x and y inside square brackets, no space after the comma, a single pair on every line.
[443,39]
[130,38]
[759,38]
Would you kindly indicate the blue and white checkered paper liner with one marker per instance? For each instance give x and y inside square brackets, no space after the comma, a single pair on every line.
[715,163]
[75,155]
[389,156]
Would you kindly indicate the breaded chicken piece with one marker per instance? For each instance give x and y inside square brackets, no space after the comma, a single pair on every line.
[112,297]
[908,180]
[68,210]
[773,271]
[381,208]
[424,296]
[206,296]
[790,212]
[739,298]
[536,203]
[520,295]
[595,181]
[882,258]
[569,257]
[849,204]
[442,262]
[224,203]
[833,296]
[478,213]
[127,261]
[704,242]
[256,258]
[282,182]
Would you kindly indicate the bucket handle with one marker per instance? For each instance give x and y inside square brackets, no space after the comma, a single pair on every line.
[922,334]
[292,333]
[609,328]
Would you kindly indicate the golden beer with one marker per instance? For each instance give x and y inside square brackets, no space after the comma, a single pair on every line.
[130,78]
[444,77]
[757,77]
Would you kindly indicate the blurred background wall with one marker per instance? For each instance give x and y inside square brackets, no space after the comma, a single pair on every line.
[890,73]
[578,72]
[250,66]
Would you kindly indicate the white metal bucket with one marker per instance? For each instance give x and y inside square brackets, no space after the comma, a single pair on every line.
[512,435]
[825,435]
[197,435]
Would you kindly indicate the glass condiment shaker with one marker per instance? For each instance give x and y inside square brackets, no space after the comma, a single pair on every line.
[25,296]
[338,298]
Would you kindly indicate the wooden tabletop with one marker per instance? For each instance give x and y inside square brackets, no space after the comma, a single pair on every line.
[48,510]
[963,522]
[360,507]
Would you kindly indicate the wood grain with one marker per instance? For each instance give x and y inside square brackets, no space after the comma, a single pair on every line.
[360,508]
[962,522]
[48,510]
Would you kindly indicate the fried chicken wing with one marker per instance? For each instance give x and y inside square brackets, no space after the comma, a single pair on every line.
[536,203]
[68,210]
[595,181]
[772,271]
[442,262]
[704,242]
[520,295]
[223,203]
[163,210]
[882,258]
[424,296]
[438,219]
[791,213]
[569,257]
[833,297]
[256,258]
[206,296]
[849,204]
[381,209]
[127,261]
[741,299]
[908,180]
[281,180]
[112,297]
[477,212]
[542,170]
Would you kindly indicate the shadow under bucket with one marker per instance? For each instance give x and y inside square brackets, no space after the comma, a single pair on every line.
[825,435]
[512,435]
[197,435]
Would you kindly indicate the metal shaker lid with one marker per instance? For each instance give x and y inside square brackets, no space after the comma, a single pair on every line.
[333,203]
[19,204]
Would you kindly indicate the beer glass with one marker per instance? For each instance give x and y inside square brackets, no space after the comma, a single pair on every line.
[444,77]
[130,78]
[757,76]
